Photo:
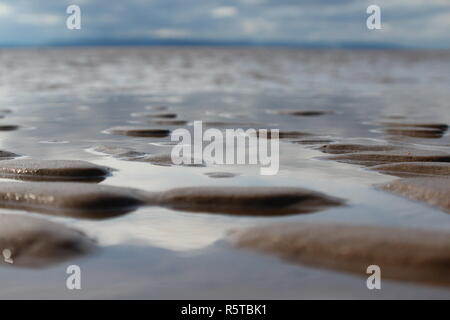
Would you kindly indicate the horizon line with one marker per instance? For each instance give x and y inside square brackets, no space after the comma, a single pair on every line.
[182,42]
[218,43]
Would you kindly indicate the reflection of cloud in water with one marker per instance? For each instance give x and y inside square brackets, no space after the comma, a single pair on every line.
[162,228]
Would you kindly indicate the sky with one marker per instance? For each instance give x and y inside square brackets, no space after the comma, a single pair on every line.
[336,23]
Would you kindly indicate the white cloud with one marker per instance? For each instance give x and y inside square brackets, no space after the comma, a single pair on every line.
[257,25]
[442,21]
[5,9]
[39,19]
[170,33]
[224,12]
[251,2]
[411,3]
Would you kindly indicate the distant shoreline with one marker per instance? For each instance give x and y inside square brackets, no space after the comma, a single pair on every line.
[212,43]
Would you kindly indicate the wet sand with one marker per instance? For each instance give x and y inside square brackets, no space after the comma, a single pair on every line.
[34,243]
[98,176]
[405,254]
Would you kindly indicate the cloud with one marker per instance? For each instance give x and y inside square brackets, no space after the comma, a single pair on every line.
[252,2]
[5,9]
[224,12]
[39,19]
[257,26]
[442,21]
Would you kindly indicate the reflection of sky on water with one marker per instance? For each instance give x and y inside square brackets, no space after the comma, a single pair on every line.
[154,251]
[216,273]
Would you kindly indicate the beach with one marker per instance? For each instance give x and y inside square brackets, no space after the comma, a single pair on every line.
[364,154]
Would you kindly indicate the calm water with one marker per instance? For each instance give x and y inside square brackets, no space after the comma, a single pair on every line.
[63,100]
